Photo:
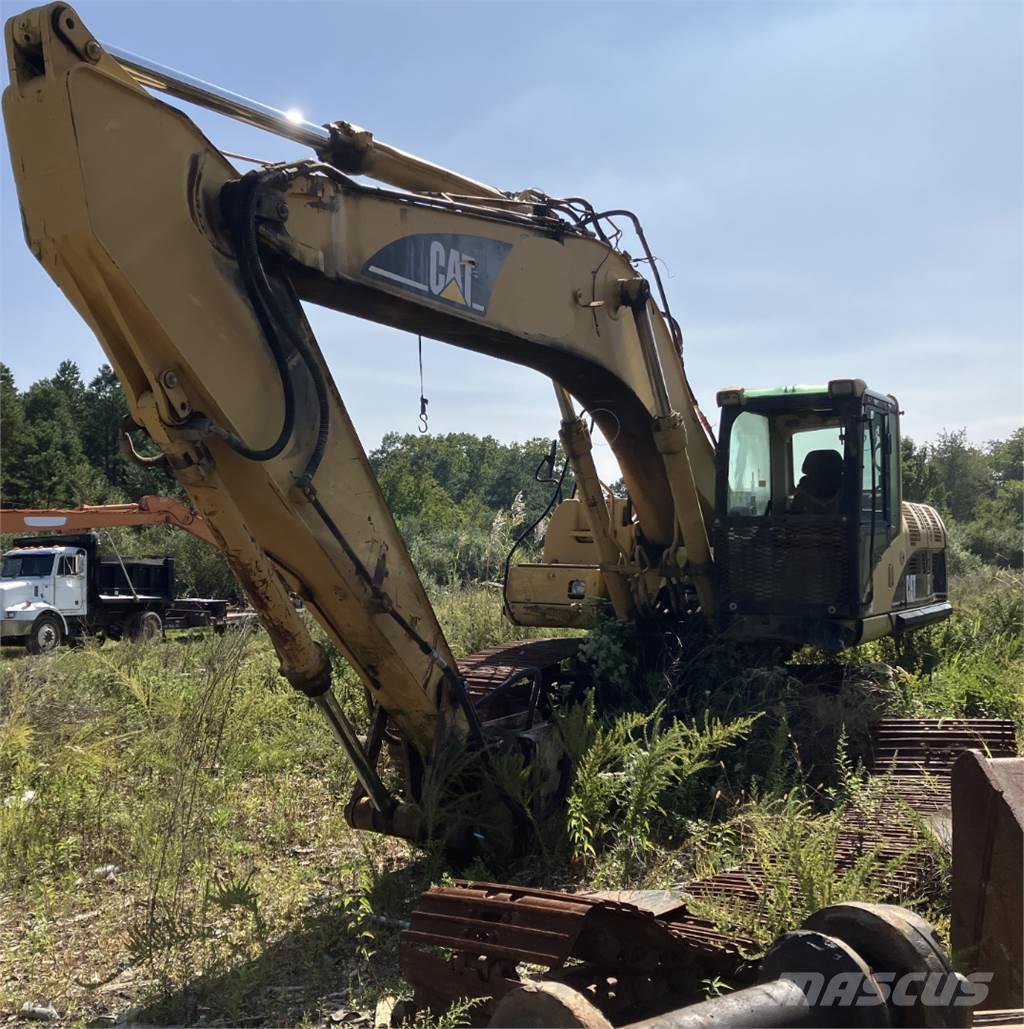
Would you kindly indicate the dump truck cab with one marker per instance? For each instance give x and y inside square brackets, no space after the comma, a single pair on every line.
[812,537]
[37,579]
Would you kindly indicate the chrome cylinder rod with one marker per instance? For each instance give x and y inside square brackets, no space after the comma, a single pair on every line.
[223,101]
[345,733]
[382,161]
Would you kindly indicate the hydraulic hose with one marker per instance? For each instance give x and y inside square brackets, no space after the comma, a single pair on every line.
[242,218]
[517,543]
[277,325]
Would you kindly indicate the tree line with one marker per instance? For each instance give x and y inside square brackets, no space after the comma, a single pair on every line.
[978,490]
[460,500]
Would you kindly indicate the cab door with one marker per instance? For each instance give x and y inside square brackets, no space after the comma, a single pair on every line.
[878,517]
[69,584]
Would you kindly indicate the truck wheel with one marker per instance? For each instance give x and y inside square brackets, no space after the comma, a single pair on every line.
[146,627]
[46,634]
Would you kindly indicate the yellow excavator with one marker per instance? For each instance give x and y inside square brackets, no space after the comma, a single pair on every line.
[192,275]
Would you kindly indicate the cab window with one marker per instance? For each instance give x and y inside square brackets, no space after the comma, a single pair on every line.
[875,464]
[750,483]
[68,565]
[27,566]
[816,470]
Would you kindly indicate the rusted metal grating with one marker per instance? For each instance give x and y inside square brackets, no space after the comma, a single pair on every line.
[920,747]
[916,755]
[487,930]
[875,826]
[487,669]
[501,921]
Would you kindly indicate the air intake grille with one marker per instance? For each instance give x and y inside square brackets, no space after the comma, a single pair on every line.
[924,525]
[913,524]
[785,570]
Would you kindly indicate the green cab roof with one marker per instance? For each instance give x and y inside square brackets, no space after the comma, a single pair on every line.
[778,391]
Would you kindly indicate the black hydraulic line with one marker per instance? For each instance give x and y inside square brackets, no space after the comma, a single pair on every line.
[126,447]
[243,222]
[639,230]
[280,324]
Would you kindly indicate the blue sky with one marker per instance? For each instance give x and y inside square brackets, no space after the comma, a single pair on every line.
[834,189]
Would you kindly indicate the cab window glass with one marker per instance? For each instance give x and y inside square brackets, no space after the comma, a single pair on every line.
[816,470]
[27,566]
[750,480]
[874,466]
[68,566]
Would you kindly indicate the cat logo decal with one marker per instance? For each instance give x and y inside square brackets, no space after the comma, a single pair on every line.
[454,269]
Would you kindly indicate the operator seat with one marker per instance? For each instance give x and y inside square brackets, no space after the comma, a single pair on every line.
[818,489]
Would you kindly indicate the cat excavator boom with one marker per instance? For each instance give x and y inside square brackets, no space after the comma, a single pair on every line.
[192,277]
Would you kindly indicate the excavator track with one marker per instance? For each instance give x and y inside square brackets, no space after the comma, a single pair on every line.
[486,670]
[512,679]
[634,955]
[625,955]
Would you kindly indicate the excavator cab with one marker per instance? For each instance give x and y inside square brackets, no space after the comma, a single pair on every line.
[813,542]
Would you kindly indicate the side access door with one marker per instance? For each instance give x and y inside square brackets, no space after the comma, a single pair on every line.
[69,585]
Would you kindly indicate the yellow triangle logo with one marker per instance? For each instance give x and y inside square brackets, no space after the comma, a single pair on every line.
[453,293]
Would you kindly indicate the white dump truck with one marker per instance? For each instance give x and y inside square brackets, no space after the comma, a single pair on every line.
[55,589]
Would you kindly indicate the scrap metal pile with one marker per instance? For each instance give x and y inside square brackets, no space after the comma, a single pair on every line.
[639,954]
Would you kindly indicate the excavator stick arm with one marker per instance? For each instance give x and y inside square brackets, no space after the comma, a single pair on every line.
[120,200]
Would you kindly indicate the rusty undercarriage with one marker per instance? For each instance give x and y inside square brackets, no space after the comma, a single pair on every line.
[637,954]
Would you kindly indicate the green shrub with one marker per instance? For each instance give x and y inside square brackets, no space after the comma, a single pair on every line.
[622,777]
[794,851]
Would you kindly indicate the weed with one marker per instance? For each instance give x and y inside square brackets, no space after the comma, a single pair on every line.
[460,1014]
[794,854]
[623,776]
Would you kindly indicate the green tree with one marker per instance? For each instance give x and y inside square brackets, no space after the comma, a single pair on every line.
[479,474]
[14,443]
[962,474]
[56,471]
[919,476]
[1006,457]
[68,383]
[995,534]
[104,407]
[980,491]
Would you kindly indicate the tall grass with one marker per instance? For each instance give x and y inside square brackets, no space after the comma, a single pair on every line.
[793,849]
[173,776]
[971,665]
[623,775]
